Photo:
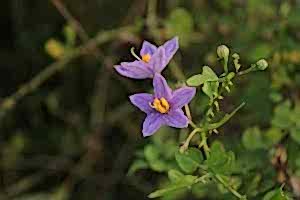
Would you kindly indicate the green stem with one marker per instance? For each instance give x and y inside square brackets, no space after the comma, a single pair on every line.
[246,71]
[188,111]
[225,118]
[202,178]
[204,144]
[229,188]
[208,127]
[192,124]
[226,65]
[186,144]
[189,116]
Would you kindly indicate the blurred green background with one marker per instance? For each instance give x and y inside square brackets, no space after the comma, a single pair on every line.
[71,133]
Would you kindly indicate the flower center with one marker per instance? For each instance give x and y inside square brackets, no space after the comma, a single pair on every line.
[161,105]
[146,58]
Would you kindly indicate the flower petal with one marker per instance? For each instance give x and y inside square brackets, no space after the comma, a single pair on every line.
[136,70]
[152,123]
[148,48]
[170,47]
[176,118]
[182,96]
[142,101]
[158,61]
[161,88]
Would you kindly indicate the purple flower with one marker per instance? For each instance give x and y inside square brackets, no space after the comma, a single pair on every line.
[153,60]
[164,106]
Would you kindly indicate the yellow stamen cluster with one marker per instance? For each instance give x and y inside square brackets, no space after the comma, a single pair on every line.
[161,105]
[146,58]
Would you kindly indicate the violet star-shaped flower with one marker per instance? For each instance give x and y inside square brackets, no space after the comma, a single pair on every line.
[153,60]
[164,107]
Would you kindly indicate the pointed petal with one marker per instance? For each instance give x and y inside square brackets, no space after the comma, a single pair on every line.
[148,48]
[142,101]
[136,70]
[176,119]
[152,123]
[171,47]
[158,61]
[161,88]
[182,96]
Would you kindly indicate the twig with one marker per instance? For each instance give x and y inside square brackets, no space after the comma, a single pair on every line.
[76,25]
[9,102]
[71,20]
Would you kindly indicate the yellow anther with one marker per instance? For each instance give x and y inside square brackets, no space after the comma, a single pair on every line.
[146,58]
[165,103]
[161,105]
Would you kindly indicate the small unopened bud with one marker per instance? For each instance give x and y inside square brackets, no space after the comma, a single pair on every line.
[223,51]
[55,48]
[262,64]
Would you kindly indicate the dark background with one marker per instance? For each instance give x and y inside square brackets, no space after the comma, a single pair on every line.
[74,135]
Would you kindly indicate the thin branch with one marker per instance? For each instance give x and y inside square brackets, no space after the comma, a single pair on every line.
[71,20]
[76,25]
[9,102]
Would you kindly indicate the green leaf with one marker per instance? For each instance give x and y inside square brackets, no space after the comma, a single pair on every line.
[151,153]
[190,160]
[282,115]
[294,18]
[153,156]
[232,181]
[210,89]
[295,117]
[137,165]
[174,195]
[207,75]
[252,139]
[184,182]
[158,165]
[210,86]
[219,161]
[174,175]
[195,80]
[180,23]
[295,134]
[276,194]
[273,136]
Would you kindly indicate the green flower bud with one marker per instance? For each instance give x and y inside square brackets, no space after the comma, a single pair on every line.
[262,64]
[223,51]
